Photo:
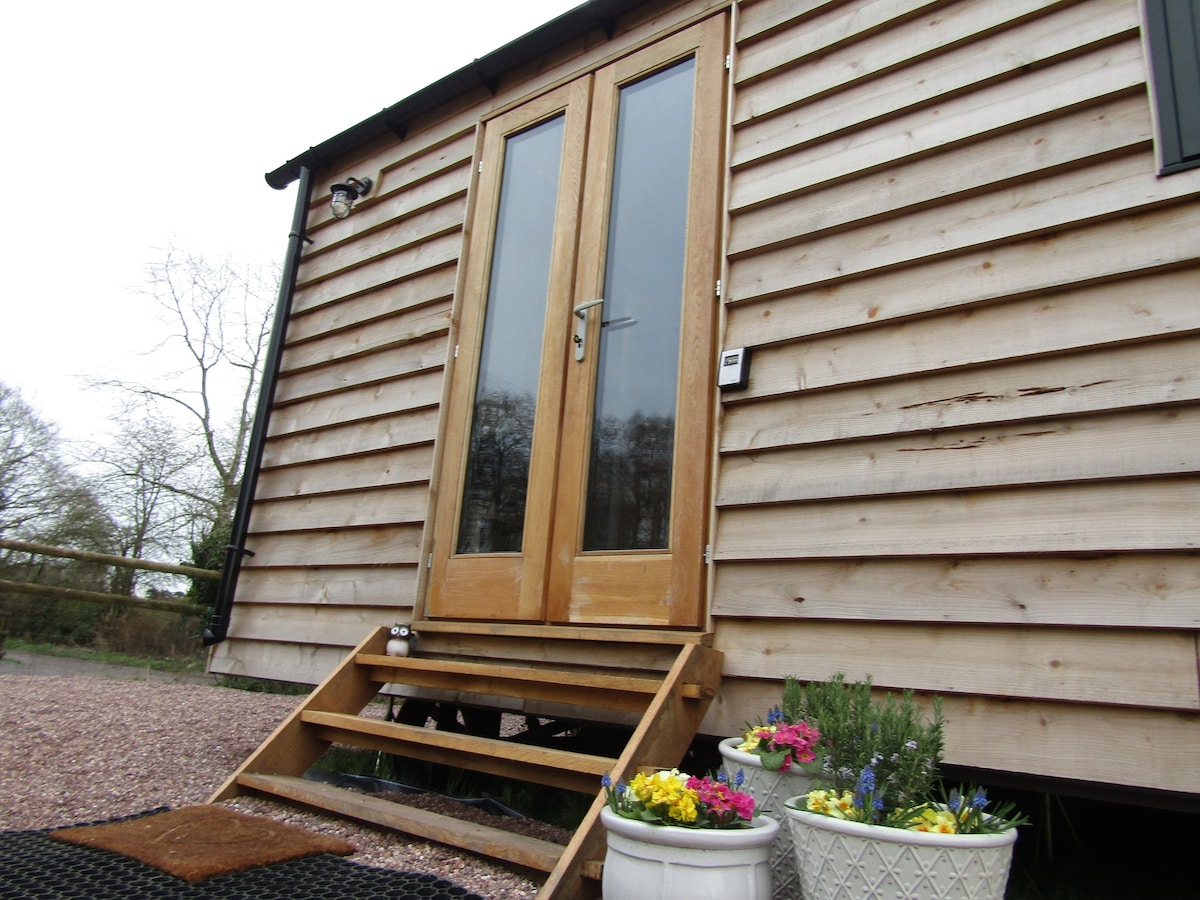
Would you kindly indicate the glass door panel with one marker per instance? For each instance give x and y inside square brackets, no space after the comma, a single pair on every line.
[492,518]
[491,534]
[633,424]
[631,513]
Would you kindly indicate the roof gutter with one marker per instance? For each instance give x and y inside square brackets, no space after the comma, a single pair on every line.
[218,624]
[486,71]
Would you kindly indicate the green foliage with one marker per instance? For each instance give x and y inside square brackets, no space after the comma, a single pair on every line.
[149,634]
[793,704]
[209,553]
[70,623]
[888,737]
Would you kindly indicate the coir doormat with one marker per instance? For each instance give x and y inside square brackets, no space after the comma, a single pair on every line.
[199,842]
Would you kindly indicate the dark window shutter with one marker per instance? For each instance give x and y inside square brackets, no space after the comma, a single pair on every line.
[1173,33]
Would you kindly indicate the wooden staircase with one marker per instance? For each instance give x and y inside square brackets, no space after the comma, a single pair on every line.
[662,681]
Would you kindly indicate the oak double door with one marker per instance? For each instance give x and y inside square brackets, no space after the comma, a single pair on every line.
[574,480]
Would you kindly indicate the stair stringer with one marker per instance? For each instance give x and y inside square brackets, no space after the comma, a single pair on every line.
[662,736]
[660,740]
[294,746]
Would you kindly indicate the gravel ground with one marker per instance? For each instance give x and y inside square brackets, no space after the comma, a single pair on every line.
[79,748]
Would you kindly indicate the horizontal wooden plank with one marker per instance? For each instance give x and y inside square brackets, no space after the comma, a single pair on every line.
[840,135]
[380,334]
[576,633]
[422,162]
[1120,377]
[542,645]
[398,169]
[1094,316]
[966,47]
[1134,445]
[579,772]
[1083,665]
[1123,591]
[393,545]
[366,368]
[379,273]
[394,505]
[761,17]
[578,687]
[307,664]
[403,466]
[394,236]
[420,290]
[392,587]
[1037,150]
[495,843]
[373,401]
[818,34]
[383,221]
[1064,200]
[1090,518]
[320,624]
[1086,254]
[1152,749]
[366,436]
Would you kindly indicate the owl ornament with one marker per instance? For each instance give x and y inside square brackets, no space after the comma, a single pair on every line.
[402,642]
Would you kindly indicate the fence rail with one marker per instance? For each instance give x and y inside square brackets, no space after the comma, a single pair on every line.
[66,593]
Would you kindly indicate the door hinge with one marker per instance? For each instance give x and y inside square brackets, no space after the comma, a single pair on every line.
[429,562]
[481,167]
[707,554]
[728,61]
[456,351]
[719,287]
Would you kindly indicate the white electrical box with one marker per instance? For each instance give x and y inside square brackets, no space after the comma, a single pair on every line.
[733,371]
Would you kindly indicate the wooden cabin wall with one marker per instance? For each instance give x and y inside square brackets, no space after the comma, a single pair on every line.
[966,461]
[339,522]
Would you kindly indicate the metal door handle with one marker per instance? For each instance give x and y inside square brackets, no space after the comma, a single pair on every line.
[580,337]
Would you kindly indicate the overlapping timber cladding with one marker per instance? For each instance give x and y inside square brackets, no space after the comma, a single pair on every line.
[962,243]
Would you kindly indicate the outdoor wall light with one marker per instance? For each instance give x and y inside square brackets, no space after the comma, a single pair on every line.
[346,193]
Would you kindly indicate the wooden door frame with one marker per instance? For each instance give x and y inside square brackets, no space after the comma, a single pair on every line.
[692,469]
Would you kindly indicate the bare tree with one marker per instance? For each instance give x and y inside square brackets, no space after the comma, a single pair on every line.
[220,315]
[154,488]
[40,496]
[43,500]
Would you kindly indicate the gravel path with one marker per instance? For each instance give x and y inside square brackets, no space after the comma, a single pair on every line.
[80,748]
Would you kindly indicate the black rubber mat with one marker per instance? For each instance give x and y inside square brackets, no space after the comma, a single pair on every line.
[36,867]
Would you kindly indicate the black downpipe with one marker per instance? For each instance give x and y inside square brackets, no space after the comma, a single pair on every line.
[218,622]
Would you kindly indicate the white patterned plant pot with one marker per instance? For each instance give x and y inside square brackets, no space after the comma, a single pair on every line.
[770,791]
[662,862]
[839,860]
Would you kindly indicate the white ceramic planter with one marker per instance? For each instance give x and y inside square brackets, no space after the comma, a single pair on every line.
[839,860]
[770,791]
[661,862]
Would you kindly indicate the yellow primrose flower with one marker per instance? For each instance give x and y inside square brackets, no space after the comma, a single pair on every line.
[830,803]
[937,821]
[750,744]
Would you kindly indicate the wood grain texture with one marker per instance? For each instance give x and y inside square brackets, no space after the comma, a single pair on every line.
[1084,665]
[1101,744]
[1135,590]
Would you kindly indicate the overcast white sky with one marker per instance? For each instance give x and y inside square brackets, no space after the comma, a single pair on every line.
[133,124]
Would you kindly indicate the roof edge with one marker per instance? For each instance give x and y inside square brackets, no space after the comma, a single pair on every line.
[486,71]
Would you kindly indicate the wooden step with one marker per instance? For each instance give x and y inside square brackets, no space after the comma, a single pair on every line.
[661,636]
[557,768]
[496,843]
[629,693]
[669,705]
